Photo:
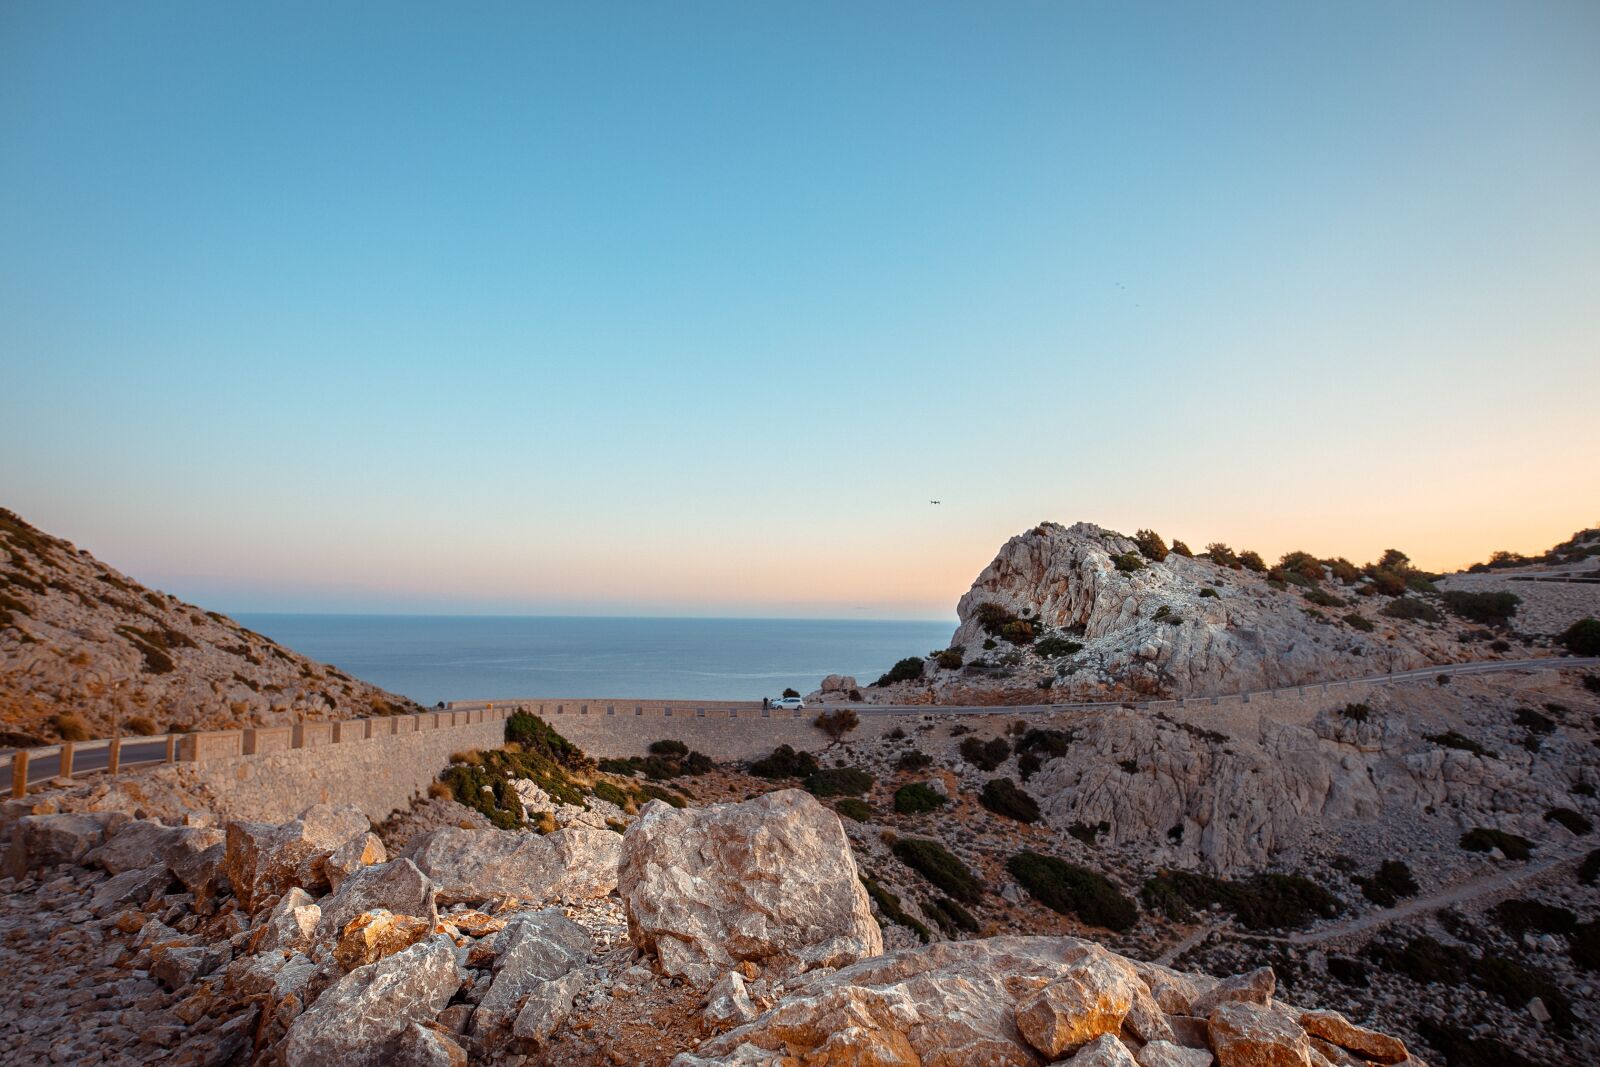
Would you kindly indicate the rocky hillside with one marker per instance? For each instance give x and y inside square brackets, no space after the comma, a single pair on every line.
[80,640]
[1086,613]
[735,935]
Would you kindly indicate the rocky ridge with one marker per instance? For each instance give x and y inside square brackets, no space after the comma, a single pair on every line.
[81,640]
[1082,613]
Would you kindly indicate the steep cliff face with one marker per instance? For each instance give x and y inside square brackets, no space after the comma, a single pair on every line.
[78,638]
[1080,611]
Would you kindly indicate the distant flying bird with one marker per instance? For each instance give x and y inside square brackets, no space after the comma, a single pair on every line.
[933,501]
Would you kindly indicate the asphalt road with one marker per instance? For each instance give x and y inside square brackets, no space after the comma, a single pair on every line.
[43,768]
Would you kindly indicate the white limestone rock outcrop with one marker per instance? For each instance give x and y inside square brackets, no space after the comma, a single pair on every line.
[771,880]
[471,866]
[360,1019]
[266,859]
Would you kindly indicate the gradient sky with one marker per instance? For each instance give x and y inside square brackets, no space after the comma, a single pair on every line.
[691,308]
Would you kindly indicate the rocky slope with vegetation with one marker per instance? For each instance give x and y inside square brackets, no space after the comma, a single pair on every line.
[82,646]
[721,934]
[1078,612]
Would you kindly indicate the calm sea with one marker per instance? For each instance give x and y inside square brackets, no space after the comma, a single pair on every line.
[454,657]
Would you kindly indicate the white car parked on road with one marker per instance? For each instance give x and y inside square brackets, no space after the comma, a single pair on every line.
[789,703]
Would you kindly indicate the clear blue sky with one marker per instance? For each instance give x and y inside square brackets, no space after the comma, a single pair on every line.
[692,308]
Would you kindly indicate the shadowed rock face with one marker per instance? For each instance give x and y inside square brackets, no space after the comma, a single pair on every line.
[771,880]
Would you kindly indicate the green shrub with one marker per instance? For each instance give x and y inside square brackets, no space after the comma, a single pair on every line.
[611,794]
[912,761]
[950,916]
[1304,564]
[1412,609]
[1357,621]
[142,725]
[931,860]
[838,782]
[1208,592]
[1491,609]
[1252,561]
[1391,882]
[889,907]
[1451,739]
[1324,599]
[916,798]
[1516,985]
[1181,549]
[1054,647]
[1486,839]
[1261,902]
[907,670]
[1573,821]
[1462,1049]
[1150,545]
[1222,555]
[1001,796]
[540,738]
[853,809]
[784,762]
[1357,712]
[950,659]
[1128,562]
[1343,570]
[1582,638]
[1388,583]
[1584,945]
[985,755]
[671,749]
[791,692]
[1067,888]
[1028,765]
[1424,959]
[1088,835]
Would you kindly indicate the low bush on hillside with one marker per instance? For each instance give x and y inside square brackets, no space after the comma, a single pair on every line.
[951,917]
[784,762]
[985,755]
[1070,889]
[1252,561]
[916,798]
[1055,647]
[854,809]
[950,659]
[1208,592]
[1387,582]
[153,646]
[1261,902]
[1343,570]
[666,760]
[1086,834]
[1520,915]
[611,794]
[1589,869]
[1423,959]
[1582,638]
[907,670]
[838,722]
[913,761]
[1591,682]
[1516,984]
[1490,609]
[71,726]
[889,907]
[1323,599]
[1150,545]
[935,863]
[1487,839]
[1356,712]
[1451,739]
[1128,562]
[1412,609]
[1018,632]
[538,737]
[1584,945]
[484,783]
[838,782]
[1573,821]
[1461,1048]
[1003,797]
[143,725]
[1181,549]
[1028,765]
[1052,743]
[1389,884]
[1534,721]
[1222,555]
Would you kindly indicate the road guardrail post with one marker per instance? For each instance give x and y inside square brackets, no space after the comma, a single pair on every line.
[66,759]
[19,773]
[114,755]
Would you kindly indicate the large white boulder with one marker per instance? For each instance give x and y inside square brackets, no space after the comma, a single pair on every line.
[471,866]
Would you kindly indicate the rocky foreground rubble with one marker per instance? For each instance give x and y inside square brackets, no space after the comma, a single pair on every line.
[731,934]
